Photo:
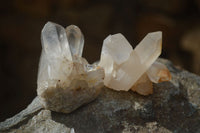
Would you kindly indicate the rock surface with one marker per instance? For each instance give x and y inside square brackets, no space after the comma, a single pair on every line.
[173,107]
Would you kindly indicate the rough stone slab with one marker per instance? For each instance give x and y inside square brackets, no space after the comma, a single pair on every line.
[174,107]
[21,117]
[42,123]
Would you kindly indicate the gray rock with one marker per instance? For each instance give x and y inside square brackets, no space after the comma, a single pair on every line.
[174,107]
[43,123]
[22,117]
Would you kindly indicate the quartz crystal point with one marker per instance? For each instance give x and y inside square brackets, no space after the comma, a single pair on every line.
[65,79]
[76,40]
[123,66]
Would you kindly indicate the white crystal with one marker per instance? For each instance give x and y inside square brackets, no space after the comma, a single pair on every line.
[149,48]
[65,79]
[113,54]
[123,66]
[117,47]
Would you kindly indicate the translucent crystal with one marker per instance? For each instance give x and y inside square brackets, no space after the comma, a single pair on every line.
[117,47]
[149,48]
[123,66]
[54,41]
[55,54]
[115,51]
[76,40]
[65,79]
[143,86]
[158,72]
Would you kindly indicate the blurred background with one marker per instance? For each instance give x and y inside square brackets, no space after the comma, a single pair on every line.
[21,22]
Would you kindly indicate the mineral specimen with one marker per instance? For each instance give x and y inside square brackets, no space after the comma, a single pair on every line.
[124,66]
[65,79]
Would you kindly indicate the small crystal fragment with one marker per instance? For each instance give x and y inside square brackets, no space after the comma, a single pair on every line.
[143,86]
[123,66]
[65,79]
[158,72]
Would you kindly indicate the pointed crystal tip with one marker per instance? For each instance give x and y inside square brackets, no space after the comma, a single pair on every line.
[54,41]
[76,40]
[155,35]
[117,47]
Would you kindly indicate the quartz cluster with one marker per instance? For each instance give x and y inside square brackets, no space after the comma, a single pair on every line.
[127,68]
[65,79]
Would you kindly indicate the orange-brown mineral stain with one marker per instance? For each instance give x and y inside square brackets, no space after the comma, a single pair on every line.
[143,86]
[164,75]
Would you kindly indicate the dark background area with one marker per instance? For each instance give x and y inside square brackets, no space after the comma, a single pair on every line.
[21,22]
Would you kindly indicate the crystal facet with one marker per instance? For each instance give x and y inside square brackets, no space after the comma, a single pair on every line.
[54,41]
[76,40]
[117,47]
[149,48]
[115,51]
[65,79]
[123,66]
[143,86]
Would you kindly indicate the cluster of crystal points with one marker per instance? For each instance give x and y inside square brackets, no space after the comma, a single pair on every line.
[125,68]
[66,80]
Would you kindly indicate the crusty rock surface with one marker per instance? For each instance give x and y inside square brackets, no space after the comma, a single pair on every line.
[173,107]
[43,123]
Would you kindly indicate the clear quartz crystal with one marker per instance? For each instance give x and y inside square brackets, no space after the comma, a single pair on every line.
[115,51]
[123,66]
[65,79]
[76,40]
[55,48]
[54,41]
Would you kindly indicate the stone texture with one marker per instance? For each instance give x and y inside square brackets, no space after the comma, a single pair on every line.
[24,115]
[174,107]
[43,123]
